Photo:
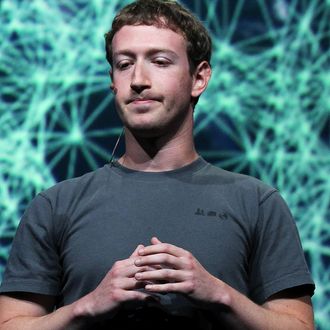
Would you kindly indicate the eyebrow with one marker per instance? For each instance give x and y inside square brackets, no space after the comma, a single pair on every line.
[150,52]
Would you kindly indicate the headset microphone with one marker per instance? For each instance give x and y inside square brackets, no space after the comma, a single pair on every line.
[115,147]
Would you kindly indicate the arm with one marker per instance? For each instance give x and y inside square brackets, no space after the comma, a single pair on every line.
[182,273]
[35,311]
[282,311]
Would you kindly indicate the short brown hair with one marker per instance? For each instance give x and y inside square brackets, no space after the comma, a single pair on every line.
[165,14]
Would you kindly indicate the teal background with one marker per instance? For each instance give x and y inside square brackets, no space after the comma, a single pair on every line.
[265,113]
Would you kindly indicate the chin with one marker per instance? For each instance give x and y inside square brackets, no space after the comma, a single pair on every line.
[146,131]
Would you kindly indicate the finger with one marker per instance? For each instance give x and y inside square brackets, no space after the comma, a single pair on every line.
[148,268]
[155,240]
[125,268]
[136,251]
[168,275]
[132,284]
[129,284]
[163,248]
[137,295]
[136,269]
[155,267]
[168,287]
[160,259]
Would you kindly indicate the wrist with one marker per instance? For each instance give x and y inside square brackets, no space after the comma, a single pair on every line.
[82,309]
[87,310]
[223,295]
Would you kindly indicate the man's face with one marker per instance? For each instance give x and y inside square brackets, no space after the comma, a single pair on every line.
[153,86]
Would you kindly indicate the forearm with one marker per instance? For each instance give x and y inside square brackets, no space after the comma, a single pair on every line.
[65,318]
[242,313]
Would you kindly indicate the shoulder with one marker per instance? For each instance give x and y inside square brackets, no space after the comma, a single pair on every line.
[235,183]
[78,188]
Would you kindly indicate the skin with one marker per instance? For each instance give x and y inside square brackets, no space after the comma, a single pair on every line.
[153,93]
[153,89]
[177,270]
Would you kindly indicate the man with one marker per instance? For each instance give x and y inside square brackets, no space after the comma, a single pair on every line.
[160,237]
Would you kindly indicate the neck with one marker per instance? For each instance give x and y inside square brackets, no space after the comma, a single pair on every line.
[157,154]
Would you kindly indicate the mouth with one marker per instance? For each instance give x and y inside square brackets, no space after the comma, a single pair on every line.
[142,100]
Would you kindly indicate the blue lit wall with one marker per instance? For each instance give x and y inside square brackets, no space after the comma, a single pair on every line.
[266,111]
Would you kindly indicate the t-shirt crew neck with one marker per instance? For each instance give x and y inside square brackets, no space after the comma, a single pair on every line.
[185,170]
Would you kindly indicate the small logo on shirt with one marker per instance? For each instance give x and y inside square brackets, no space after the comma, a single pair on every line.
[211,214]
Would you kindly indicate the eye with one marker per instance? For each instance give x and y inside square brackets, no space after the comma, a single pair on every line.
[123,65]
[161,61]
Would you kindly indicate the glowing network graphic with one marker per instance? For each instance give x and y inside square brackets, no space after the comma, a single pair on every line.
[266,111]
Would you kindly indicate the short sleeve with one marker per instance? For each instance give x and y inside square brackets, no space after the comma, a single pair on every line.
[277,261]
[33,265]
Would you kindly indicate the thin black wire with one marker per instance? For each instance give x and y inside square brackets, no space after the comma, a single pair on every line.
[115,147]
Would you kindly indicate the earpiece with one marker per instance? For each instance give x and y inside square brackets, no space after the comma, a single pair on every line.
[113,88]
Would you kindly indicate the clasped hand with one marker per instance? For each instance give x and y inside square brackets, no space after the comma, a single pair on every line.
[173,269]
[157,268]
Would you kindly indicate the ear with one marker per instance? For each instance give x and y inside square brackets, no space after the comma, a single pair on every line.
[111,78]
[201,78]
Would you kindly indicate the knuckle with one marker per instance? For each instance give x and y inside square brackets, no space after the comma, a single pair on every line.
[189,276]
[165,258]
[190,287]
[190,264]
[116,269]
[166,248]
[116,296]
[136,296]
[116,264]
[190,257]
[115,272]
[168,273]
[169,287]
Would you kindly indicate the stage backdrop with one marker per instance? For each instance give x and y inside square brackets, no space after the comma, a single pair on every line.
[265,113]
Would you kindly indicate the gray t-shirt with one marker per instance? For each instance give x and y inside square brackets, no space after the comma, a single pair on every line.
[238,228]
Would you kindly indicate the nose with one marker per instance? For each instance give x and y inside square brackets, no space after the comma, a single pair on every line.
[140,78]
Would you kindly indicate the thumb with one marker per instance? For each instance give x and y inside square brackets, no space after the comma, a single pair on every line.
[135,252]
